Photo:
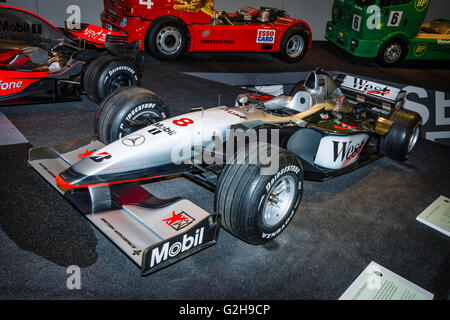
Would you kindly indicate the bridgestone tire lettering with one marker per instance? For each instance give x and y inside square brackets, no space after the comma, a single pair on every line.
[123,105]
[242,192]
[101,76]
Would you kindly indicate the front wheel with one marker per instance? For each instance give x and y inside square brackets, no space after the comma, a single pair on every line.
[257,205]
[293,45]
[392,53]
[127,110]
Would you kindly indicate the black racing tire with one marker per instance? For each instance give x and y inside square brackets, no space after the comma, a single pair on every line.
[127,110]
[167,39]
[402,138]
[106,74]
[244,194]
[288,51]
[299,86]
[392,52]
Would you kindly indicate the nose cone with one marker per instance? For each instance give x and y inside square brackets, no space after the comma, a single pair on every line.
[70,179]
[134,157]
[147,153]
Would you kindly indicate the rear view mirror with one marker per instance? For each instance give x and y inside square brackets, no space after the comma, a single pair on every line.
[311,81]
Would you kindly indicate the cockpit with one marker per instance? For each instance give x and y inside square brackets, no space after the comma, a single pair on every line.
[32,50]
[318,88]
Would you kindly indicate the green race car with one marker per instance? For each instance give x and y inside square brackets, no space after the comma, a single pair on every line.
[389,30]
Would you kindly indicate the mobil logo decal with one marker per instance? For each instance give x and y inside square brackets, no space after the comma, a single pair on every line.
[173,248]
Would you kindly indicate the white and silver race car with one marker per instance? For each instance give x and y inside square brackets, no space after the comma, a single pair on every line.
[254,155]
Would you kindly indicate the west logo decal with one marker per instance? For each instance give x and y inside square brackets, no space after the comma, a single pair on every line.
[346,151]
[370,87]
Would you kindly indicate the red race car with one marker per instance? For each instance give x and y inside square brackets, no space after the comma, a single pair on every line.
[169,28]
[42,63]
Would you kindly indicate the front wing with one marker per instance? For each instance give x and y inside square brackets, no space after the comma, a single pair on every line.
[152,232]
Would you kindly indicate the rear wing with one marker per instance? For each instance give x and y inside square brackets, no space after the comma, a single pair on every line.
[375,95]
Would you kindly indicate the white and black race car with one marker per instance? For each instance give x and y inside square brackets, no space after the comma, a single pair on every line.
[254,155]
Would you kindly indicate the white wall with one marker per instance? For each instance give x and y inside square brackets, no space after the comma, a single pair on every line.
[315,12]
[55,10]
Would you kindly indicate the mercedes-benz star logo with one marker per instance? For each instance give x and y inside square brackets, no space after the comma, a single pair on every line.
[133,140]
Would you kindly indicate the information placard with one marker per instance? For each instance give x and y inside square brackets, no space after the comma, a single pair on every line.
[379,283]
[437,215]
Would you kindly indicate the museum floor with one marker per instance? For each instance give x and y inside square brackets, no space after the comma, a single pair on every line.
[342,224]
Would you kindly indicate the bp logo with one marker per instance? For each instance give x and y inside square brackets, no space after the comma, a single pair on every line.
[420,49]
[421,5]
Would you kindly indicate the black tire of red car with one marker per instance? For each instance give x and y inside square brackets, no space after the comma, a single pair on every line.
[299,86]
[392,52]
[106,74]
[402,138]
[245,196]
[127,110]
[167,39]
[294,45]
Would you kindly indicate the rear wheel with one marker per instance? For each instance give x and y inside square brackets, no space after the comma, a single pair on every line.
[126,111]
[293,45]
[392,52]
[401,140]
[256,206]
[107,74]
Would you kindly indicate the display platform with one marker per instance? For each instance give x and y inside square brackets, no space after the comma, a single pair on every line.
[342,225]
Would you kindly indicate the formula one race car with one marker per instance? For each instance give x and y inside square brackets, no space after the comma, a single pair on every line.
[170,28]
[42,63]
[255,156]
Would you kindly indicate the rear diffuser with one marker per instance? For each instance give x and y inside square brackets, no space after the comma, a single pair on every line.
[152,232]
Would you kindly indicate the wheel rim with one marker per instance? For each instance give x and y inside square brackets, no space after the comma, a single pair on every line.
[137,122]
[393,52]
[120,80]
[168,40]
[413,139]
[295,45]
[279,201]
